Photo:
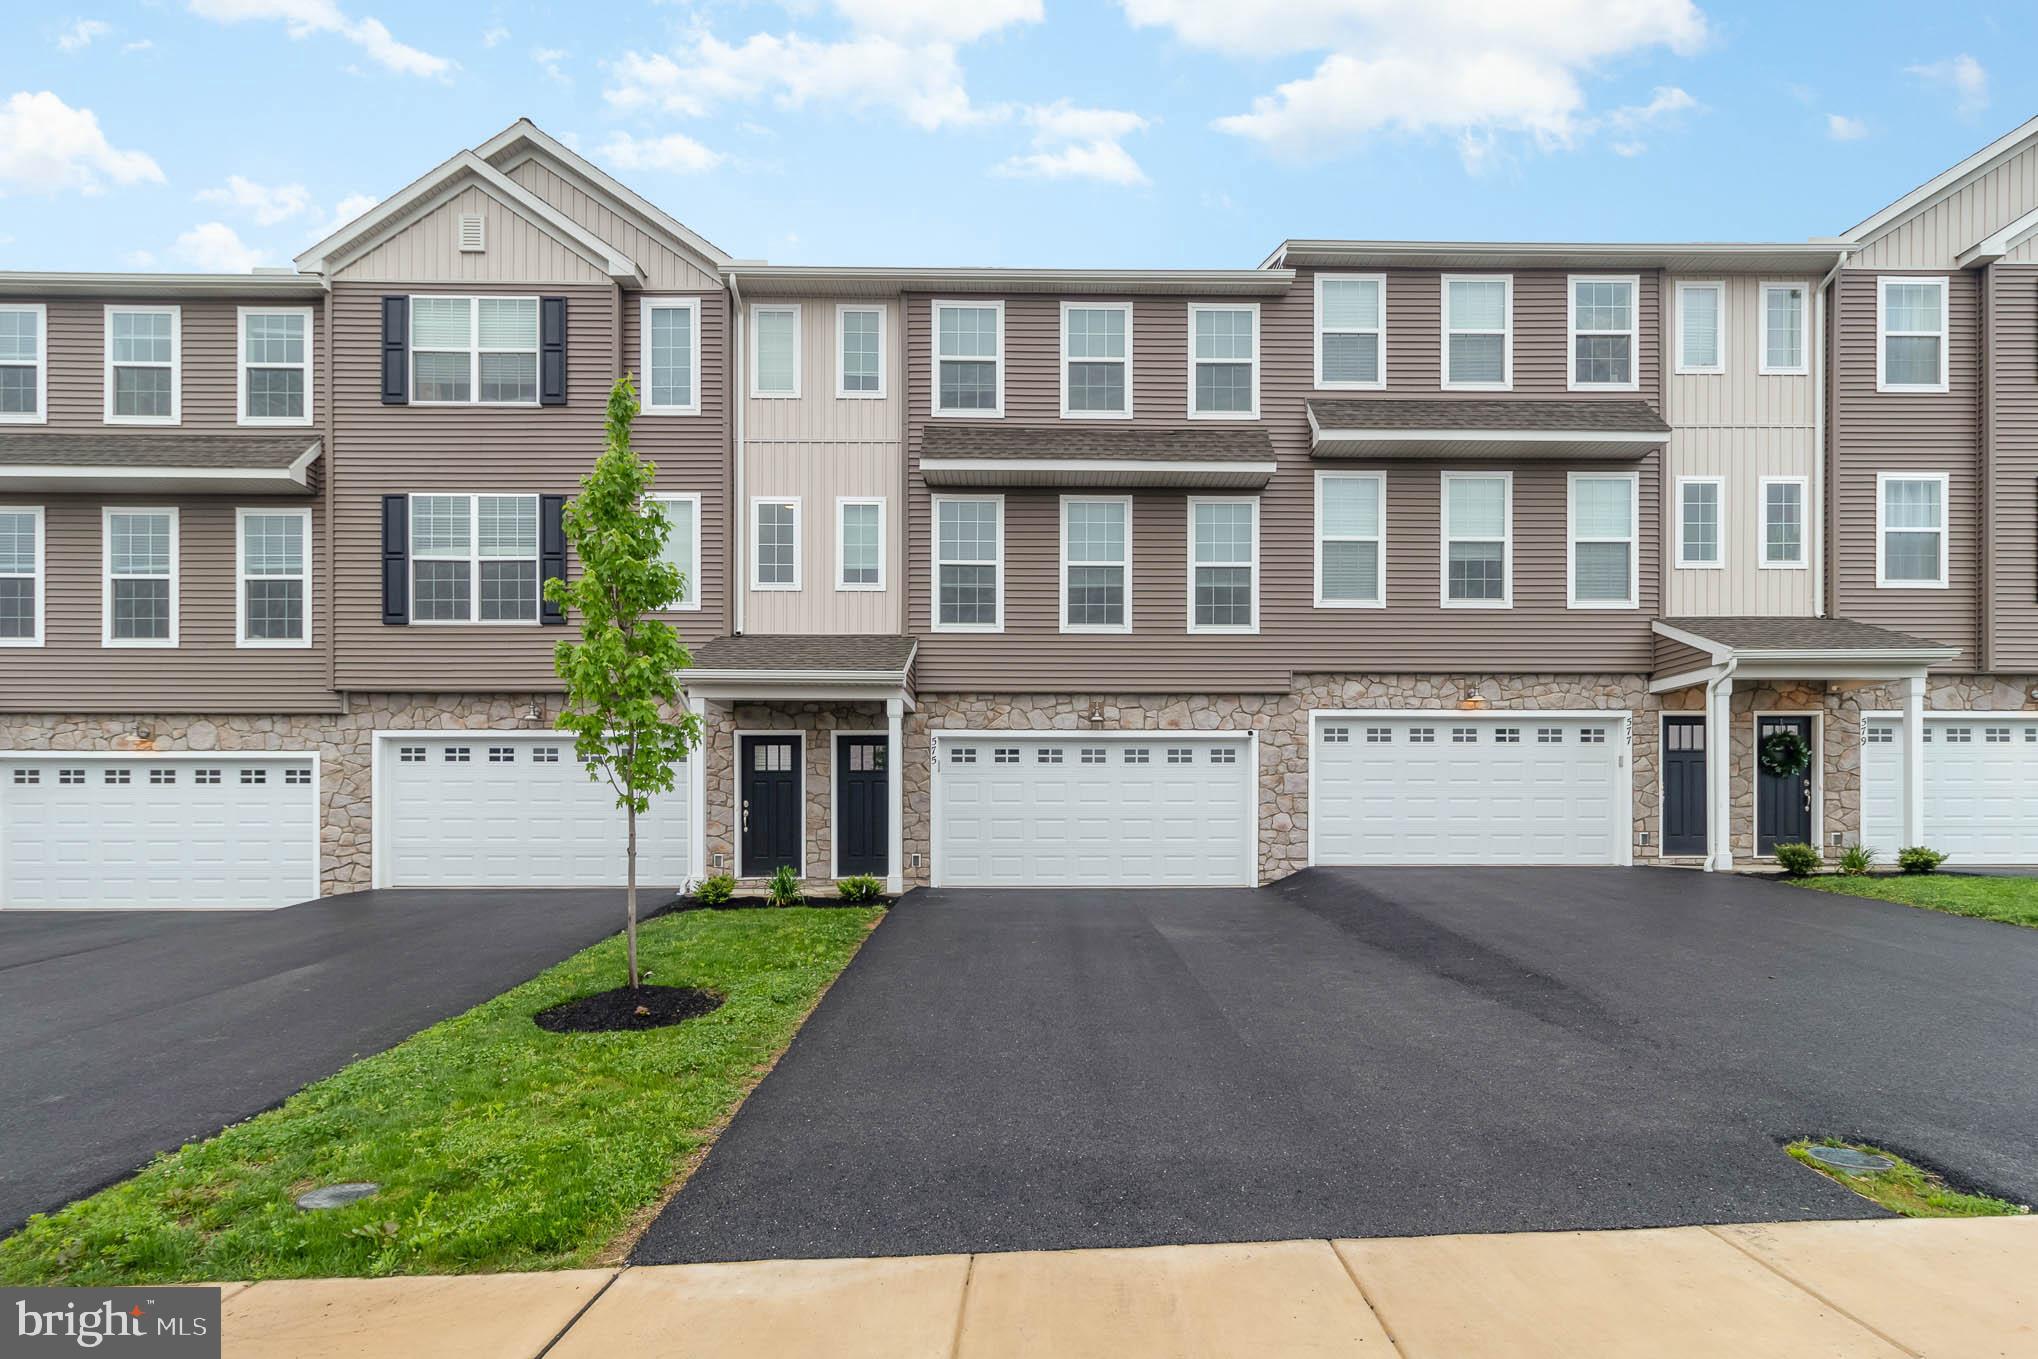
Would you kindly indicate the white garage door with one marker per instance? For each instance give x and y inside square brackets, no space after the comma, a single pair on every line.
[1157,809]
[1981,787]
[146,830]
[1454,788]
[510,809]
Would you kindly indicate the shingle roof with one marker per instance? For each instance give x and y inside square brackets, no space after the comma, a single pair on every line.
[1249,444]
[878,653]
[1475,414]
[243,452]
[1800,634]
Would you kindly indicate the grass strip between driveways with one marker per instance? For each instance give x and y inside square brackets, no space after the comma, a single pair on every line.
[2014,901]
[498,1146]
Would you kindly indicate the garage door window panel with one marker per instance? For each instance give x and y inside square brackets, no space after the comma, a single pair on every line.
[1224,565]
[274,578]
[1096,545]
[1478,540]
[969,550]
[1604,512]
[140,603]
[1911,530]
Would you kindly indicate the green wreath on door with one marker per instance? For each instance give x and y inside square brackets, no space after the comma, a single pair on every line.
[1785,754]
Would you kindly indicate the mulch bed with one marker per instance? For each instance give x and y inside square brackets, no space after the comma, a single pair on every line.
[689,903]
[625,1009]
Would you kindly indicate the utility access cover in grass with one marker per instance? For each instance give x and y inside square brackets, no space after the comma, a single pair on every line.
[1885,1178]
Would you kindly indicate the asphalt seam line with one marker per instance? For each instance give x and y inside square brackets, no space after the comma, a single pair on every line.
[1811,1292]
[1386,1327]
[574,1320]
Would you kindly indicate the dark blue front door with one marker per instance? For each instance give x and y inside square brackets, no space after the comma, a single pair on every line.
[1684,785]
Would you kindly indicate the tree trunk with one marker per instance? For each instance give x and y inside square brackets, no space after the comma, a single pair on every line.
[630,929]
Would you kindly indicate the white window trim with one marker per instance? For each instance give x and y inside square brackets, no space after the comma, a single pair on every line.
[1804,531]
[475,350]
[1883,283]
[41,414]
[106,637]
[1379,384]
[757,502]
[842,504]
[1254,413]
[934,406]
[692,603]
[1765,368]
[474,559]
[1445,537]
[176,315]
[1189,536]
[241,416]
[1064,563]
[1066,308]
[644,309]
[935,564]
[799,339]
[1718,289]
[241,579]
[1506,383]
[1379,480]
[1882,479]
[1571,332]
[1683,559]
[1633,539]
[884,330]
[41,577]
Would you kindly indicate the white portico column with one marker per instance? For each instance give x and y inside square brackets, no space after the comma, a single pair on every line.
[1914,761]
[1719,775]
[895,762]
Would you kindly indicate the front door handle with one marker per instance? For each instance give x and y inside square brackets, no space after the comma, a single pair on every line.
[746,816]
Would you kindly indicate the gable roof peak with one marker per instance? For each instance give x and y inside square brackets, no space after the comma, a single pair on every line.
[1942,184]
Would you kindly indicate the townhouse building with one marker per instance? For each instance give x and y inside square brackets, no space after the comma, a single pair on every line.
[1375,553]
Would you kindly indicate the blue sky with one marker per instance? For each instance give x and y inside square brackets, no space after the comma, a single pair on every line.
[179,134]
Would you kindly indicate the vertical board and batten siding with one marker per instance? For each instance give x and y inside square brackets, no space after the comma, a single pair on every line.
[1929,432]
[1741,426]
[819,446]
[205,671]
[2014,531]
[1933,238]
[516,249]
[666,269]
[1413,633]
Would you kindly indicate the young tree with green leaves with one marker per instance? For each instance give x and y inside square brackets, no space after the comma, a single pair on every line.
[622,677]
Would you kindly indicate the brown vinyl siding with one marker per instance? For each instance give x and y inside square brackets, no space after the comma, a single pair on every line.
[1675,658]
[2014,533]
[1414,633]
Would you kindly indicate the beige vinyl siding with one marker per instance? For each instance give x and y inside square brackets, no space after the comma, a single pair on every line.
[205,671]
[516,249]
[1933,238]
[1741,426]
[665,267]
[2014,530]
[691,450]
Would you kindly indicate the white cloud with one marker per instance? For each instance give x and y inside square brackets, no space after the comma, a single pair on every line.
[1629,149]
[674,152]
[956,21]
[139,259]
[267,204]
[1078,143]
[1667,104]
[1965,76]
[1841,128]
[46,146]
[138,45]
[306,17]
[81,34]
[494,37]
[216,247]
[548,59]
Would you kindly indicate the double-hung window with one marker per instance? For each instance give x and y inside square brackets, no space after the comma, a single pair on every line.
[474,558]
[1701,330]
[474,350]
[144,363]
[775,350]
[1603,332]
[1351,331]
[1478,540]
[682,550]
[1224,565]
[24,364]
[860,543]
[274,365]
[775,543]
[969,555]
[1096,360]
[1478,340]
[1701,508]
[21,563]
[670,335]
[1911,323]
[1783,540]
[1910,530]
[273,578]
[1224,362]
[1096,563]
[860,352]
[1351,539]
[1604,512]
[139,604]
[1783,329]
[969,359]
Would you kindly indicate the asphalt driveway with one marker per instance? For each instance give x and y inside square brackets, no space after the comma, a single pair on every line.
[1370,1053]
[127,1033]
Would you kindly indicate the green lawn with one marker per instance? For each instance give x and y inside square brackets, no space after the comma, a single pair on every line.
[1905,1188]
[498,1146]
[2011,900]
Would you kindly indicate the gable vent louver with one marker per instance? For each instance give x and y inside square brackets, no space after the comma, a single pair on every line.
[470,232]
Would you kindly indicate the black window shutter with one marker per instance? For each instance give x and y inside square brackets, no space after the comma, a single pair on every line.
[551,553]
[551,351]
[395,559]
[396,351]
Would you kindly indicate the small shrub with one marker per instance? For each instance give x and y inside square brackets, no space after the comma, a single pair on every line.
[1857,860]
[1798,861]
[860,887]
[716,890]
[1918,859]
[785,887]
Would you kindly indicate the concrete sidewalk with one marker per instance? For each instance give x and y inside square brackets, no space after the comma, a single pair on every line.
[1830,1290]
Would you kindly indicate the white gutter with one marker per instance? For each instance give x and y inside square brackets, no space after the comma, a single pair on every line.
[1819,432]
[737,575]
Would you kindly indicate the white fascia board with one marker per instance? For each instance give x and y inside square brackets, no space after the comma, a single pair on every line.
[1643,438]
[786,280]
[1716,650]
[1993,247]
[1940,185]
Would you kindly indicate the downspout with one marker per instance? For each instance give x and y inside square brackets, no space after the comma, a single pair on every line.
[1719,744]
[1819,451]
[733,567]
[1984,545]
